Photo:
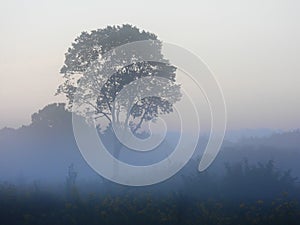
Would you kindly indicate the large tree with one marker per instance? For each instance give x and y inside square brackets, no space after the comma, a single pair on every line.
[91,57]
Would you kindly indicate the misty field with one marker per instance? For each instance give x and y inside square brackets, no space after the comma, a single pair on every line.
[246,194]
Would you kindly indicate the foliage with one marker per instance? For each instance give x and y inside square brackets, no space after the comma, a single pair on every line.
[153,205]
[262,180]
[97,75]
[71,190]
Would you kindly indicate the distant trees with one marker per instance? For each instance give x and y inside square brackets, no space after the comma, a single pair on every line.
[71,188]
[263,181]
[53,115]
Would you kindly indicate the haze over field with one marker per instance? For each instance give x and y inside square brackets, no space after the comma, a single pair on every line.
[252,48]
[151,142]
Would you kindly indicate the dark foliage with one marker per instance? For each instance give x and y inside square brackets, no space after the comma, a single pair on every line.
[89,63]
[257,194]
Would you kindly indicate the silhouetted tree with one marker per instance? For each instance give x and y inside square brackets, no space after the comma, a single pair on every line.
[87,62]
[51,116]
[71,182]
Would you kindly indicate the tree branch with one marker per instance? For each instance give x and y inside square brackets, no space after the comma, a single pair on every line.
[97,110]
[140,123]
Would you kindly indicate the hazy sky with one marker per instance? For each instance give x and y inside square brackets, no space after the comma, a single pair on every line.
[253,47]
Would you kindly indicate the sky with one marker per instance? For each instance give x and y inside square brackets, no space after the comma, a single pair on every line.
[252,47]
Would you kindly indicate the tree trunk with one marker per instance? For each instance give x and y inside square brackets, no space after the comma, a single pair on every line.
[117,146]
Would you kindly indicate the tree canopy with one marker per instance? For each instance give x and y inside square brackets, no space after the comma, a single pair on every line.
[91,58]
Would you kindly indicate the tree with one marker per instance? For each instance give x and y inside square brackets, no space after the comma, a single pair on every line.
[93,69]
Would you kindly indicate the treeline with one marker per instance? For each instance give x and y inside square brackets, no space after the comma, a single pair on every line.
[245,194]
[31,151]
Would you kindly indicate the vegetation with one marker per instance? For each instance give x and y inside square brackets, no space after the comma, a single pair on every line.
[257,194]
[94,76]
